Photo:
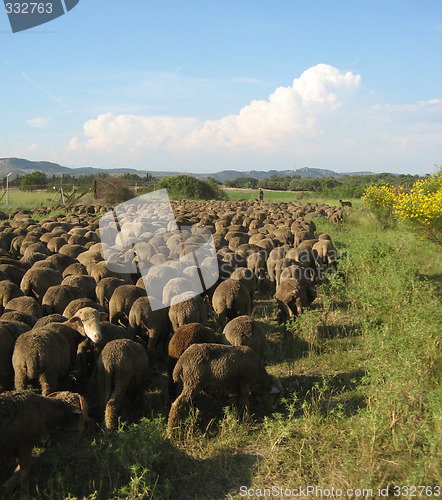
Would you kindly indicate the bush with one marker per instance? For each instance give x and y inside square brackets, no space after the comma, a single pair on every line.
[112,190]
[422,206]
[186,187]
[380,200]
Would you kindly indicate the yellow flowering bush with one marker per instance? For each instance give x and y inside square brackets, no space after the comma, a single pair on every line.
[422,206]
[380,200]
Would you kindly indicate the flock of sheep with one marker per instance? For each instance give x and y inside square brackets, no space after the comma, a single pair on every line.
[69,321]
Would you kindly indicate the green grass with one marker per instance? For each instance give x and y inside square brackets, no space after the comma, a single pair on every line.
[285,197]
[29,200]
[362,402]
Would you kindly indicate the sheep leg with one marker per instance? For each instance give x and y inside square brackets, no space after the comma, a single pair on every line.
[244,401]
[20,380]
[48,383]
[11,483]
[299,305]
[172,385]
[20,475]
[113,406]
[25,465]
[182,402]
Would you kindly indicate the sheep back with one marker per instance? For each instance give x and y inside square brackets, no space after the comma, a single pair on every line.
[244,330]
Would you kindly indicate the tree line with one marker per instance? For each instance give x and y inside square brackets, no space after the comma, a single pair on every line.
[186,186]
[352,186]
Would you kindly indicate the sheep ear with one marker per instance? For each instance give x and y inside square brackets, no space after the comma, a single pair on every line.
[103,316]
[74,319]
[274,390]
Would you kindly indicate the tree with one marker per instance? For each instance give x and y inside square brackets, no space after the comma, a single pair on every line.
[187,187]
[36,180]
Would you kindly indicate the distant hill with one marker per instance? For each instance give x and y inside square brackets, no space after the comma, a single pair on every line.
[19,166]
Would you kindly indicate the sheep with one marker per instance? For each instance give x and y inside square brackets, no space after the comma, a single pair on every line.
[61,261]
[106,287]
[47,353]
[75,269]
[221,369]
[186,335]
[292,296]
[244,330]
[151,325]
[247,278]
[50,318]
[14,270]
[122,367]
[9,331]
[187,308]
[25,304]
[36,281]
[57,298]
[88,351]
[77,304]
[231,299]
[20,316]
[8,291]
[325,254]
[26,419]
[86,283]
[257,263]
[122,301]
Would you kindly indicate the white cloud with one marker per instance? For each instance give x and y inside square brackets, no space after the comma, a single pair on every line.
[324,119]
[133,133]
[40,122]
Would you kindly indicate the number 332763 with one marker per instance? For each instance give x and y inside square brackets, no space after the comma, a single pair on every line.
[29,8]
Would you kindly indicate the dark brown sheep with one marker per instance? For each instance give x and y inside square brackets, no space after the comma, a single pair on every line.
[292,296]
[9,331]
[186,335]
[27,418]
[221,369]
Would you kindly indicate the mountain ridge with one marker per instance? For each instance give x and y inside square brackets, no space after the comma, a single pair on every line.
[21,166]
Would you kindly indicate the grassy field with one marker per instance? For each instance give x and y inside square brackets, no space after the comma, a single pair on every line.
[283,196]
[31,199]
[361,410]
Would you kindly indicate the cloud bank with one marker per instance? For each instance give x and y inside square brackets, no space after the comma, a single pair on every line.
[324,119]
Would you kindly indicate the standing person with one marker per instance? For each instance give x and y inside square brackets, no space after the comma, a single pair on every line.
[261,195]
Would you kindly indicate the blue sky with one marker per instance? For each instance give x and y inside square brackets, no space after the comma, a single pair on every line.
[202,86]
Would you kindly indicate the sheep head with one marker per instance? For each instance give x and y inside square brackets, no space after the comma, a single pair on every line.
[271,393]
[78,407]
[87,322]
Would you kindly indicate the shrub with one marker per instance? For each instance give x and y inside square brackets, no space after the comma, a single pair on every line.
[112,190]
[187,187]
[422,206]
[380,200]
